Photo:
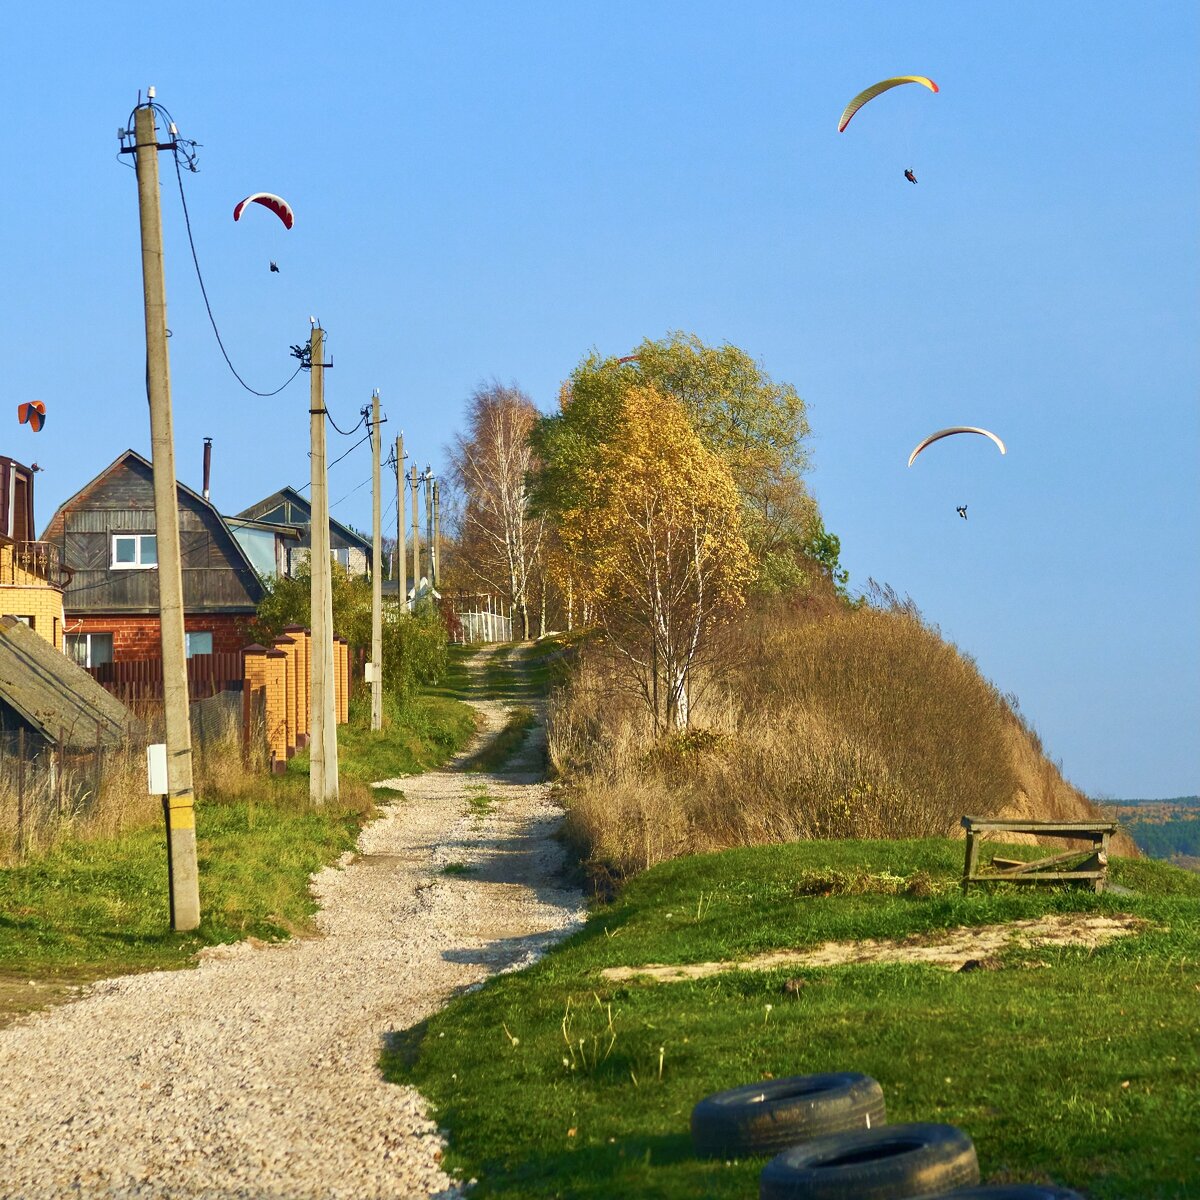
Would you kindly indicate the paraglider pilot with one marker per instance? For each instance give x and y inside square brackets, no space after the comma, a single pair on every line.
[961,509]
[908,174]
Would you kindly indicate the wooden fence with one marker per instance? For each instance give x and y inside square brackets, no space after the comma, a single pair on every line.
[208,674]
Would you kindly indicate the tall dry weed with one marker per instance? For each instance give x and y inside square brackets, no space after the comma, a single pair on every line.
[101,794]
[851,723]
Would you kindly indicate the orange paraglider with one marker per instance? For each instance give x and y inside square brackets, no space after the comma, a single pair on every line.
[33,414]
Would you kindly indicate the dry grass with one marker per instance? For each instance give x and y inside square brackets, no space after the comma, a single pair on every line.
[822,723]
[80,797]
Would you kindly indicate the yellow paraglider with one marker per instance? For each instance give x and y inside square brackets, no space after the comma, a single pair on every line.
[876,90]
[941,433]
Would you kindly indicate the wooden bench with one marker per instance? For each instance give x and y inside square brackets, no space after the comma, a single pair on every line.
[1089,867]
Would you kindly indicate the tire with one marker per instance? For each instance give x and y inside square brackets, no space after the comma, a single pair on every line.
[1013,1191]
[892,1163]
[764,1118]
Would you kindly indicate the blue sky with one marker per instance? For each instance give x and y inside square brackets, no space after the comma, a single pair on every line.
[487,190]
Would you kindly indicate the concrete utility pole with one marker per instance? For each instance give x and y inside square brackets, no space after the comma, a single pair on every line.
[428,478]
[180,803]
[401,547]
[437,534]
[377,572]
[416,531]
[322,762]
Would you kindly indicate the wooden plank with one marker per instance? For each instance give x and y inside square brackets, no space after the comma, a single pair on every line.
[972,859]
[1036,864]
[1042,877]
[1067,828]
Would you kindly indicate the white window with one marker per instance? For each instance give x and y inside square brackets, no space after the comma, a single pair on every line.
[198,643]
[90,649]
[134,551]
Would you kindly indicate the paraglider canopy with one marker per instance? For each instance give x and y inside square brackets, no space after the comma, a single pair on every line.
[33,414]
[877,89]
[941,433]
[277,204]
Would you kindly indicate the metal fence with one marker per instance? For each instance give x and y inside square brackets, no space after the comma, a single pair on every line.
[479,618]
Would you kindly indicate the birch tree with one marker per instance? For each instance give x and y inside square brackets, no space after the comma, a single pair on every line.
[499,538]
[654,539]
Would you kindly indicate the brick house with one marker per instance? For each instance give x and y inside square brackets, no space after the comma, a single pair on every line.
[287,507]
[31,576]
[105,537]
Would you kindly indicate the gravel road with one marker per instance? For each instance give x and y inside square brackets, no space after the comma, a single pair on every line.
[255,1076]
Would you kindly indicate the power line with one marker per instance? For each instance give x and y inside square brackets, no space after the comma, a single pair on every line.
[204,292]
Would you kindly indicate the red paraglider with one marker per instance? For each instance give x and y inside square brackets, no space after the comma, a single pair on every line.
[277,204]
[33,414]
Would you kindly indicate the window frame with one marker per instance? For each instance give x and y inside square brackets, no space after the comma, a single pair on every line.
[138,540]
[197,633]
[87,637]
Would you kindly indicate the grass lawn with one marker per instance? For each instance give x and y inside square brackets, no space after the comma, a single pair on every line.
[1065,1065]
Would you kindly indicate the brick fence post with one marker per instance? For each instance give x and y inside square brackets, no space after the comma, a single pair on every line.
[254,688]
[303,681]
[277,744]
[288,646]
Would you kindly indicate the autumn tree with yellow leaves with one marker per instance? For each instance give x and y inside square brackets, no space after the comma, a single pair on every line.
[652,536]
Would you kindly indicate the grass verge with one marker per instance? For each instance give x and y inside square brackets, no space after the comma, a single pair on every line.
[1067,1065]
[98,908]
[424,733]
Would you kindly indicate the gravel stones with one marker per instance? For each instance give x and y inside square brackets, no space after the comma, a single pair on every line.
[256,1075]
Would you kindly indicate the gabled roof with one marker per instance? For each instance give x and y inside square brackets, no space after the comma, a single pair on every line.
[255,512]
[53,530]
[59,699]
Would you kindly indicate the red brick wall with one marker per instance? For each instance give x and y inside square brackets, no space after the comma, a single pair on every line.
[137,637]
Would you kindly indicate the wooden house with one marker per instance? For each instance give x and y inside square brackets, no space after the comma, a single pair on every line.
[31,574]
[287,507]
[105,536]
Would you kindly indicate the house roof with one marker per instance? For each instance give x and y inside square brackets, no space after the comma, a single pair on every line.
[59,699]
[290,494]
[55,526]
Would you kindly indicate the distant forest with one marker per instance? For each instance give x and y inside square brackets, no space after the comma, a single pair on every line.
[1167,829]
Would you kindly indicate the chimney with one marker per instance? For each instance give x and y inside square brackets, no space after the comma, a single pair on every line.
[207,465]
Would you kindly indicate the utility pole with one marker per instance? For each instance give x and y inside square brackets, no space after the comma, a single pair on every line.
[437,534]
[428,477]
[401,547]
[180,802]
[377,572]
[322,762]
[416,531]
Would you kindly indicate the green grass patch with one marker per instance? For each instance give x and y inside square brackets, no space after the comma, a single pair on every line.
[422,734]
[478,800]
[505,744]
[457,868]
[1067,1064]
[97,908]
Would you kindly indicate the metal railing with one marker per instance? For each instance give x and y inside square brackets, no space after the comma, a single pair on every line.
[42,560]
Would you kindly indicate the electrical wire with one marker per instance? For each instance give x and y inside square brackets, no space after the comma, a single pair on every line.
[204,292]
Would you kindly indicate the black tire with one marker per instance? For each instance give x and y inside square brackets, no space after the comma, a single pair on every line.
[764,1118]
[1013,1191]
[892,1163]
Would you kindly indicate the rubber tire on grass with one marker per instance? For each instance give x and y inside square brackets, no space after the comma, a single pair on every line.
[1013,1191]
[893,1163]
[764,1118]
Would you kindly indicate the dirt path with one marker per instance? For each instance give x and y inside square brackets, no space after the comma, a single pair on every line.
[255,1076]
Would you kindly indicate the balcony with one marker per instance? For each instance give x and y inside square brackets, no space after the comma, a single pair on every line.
[30,564]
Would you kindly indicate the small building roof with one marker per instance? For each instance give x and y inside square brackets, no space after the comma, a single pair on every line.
[59,699]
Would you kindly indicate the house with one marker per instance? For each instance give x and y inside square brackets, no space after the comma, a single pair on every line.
[53,701]
[31,574]
[268,547]
[105,537]
[288,507]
